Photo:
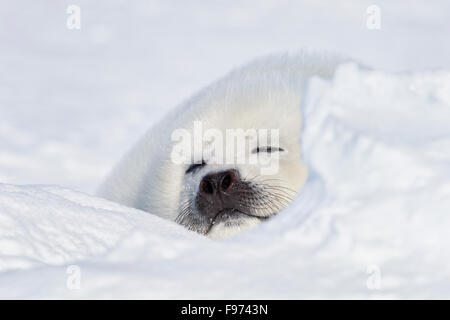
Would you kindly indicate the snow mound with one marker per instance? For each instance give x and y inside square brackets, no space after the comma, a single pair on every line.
[371,222]
[52,225]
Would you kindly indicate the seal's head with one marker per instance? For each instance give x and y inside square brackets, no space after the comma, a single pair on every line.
[243,161]
[227,158]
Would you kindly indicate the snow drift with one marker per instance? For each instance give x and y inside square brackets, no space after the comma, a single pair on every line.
[372,221]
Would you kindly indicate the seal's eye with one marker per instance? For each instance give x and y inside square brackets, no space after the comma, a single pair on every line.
[267,149]
[194,167]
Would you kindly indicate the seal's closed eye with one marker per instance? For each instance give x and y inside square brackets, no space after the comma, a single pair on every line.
[195,166]
[267,149]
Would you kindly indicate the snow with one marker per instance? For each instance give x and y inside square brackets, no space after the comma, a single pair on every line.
[375,206]
[371,202]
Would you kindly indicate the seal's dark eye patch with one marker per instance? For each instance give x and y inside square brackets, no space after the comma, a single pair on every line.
[267,149]
[194,167]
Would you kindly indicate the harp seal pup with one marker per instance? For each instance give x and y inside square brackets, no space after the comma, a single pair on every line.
[222,198]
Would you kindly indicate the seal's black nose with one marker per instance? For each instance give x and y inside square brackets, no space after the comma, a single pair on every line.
[214,186]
